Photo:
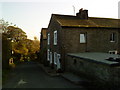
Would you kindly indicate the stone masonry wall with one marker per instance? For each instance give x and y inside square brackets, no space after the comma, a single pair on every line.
[98,40]
[102,73]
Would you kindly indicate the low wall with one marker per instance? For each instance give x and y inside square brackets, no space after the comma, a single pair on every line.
[104,73]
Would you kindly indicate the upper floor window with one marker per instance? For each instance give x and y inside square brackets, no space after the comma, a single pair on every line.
[55,37]
[83,38]
[48,39]
[112,37]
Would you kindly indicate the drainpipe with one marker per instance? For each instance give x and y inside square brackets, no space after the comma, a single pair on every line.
[86,44]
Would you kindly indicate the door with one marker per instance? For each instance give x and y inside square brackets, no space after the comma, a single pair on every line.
[50,57]
[58,62]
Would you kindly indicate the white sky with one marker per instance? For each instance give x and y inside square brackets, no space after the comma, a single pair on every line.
[32,15]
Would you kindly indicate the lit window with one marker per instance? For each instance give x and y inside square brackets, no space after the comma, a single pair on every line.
[48,39]
[83,38]
[55,37]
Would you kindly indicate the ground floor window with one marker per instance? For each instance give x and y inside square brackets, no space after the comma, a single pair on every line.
[55,58]
[58,61]
[48,55]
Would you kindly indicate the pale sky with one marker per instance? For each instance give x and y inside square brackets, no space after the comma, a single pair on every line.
[32,15]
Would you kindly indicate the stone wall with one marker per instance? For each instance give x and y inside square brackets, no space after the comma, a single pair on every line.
[43,52]
[98,40]
[68,40]
[55,26]
[101,73]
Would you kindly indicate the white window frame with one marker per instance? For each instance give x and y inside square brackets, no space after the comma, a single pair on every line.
[83,38]
[48,55]
[48,38]
[58,61]
[55,58]
[112,37]
[55,37]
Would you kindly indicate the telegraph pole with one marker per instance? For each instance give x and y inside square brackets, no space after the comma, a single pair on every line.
[73,10]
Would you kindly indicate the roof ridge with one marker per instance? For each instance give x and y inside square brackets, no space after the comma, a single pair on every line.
[63,15]
[74,21]
[103,18]
[88,17]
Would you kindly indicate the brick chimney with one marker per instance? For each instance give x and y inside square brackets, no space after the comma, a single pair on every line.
[83,14]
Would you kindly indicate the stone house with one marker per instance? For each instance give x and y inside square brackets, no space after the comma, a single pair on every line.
[43,46]
[78,34]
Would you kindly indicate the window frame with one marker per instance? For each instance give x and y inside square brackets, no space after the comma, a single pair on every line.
[48,54]
[48,38]
[55,58]
[58,61]
[55,37]
[85,38]
[50,57]
[112,37]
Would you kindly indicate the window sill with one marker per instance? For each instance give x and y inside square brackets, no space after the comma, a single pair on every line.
[82,43]
[55,44]
[112,41]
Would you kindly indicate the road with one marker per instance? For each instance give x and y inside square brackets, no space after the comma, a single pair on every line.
[31,75]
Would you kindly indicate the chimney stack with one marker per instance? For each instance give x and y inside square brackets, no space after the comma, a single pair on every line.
[83,14]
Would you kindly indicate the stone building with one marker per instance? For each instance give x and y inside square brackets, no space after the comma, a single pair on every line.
[85,45]
[80,33]
[43,46]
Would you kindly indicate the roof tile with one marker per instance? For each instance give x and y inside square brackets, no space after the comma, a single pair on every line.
[73,21]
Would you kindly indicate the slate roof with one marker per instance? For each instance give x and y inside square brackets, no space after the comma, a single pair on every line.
[74,21]
[44,33]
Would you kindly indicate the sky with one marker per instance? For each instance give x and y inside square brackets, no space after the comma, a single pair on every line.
[32,15]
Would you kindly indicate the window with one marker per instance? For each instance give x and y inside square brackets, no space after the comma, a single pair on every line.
[48,39]
[55,58]
[55,37]
[112,37]
[83,38]
[58,61]
[48,55]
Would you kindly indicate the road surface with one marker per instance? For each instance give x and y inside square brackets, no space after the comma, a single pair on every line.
[31,75]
